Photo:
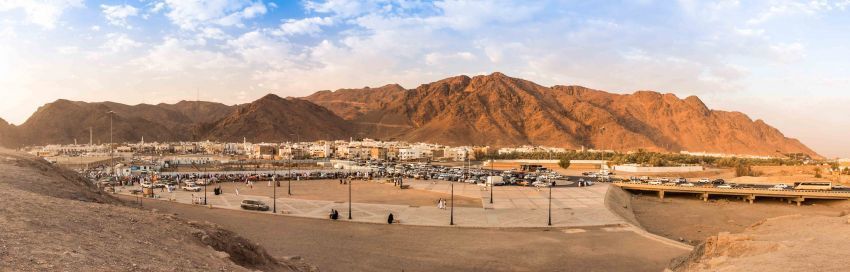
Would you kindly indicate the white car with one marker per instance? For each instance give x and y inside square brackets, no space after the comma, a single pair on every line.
[655,182]
[191,187]
[777,187]
[781,185]
[686,184]
[704,180]
[470,181]
[724,186]
[540,184]
[664,180]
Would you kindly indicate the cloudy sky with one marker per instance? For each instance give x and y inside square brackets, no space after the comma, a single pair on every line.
[782,61]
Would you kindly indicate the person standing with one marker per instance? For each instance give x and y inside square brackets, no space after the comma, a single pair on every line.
[390,219]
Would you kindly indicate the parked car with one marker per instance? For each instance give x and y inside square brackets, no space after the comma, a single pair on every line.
[718,182]
[724,186]
[778,187]
[686,184]
[191,187]
[704,181]
[254,205]
[654,182]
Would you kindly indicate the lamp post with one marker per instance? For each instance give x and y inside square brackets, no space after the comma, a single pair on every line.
[602,133]
[491,182]
[349,194]
[111,155]
[274,189]
[550,205]
[452,214]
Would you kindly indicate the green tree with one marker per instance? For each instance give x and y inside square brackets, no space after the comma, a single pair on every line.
[564,163]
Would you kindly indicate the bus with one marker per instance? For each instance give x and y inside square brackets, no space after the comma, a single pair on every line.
[813,185]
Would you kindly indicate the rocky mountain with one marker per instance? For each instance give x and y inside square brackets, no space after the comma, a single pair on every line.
[498,110]
[63,121]
[275,119]
[494,110]
[7,133]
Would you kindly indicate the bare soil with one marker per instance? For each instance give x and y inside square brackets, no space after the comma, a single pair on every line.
[52,220]
[787,243]
[361,191]
[347,246]
[686,218]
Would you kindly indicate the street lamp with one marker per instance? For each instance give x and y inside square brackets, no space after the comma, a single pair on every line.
[550,205]
[274,189]
[111,155]
[452,214]
[291,156]
[349,194]
[491,181]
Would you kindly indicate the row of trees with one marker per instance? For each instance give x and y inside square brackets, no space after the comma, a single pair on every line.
[643,158]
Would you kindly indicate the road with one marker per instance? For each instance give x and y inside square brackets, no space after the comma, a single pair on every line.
[345,246]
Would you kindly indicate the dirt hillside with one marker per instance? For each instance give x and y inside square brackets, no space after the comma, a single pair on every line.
[51,220]
[787,243]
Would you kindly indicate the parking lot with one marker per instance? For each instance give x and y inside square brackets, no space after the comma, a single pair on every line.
[513,206]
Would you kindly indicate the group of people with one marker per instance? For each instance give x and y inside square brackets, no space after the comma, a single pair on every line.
[334,215]
[441,204]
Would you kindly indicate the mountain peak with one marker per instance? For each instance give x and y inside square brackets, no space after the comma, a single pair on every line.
[271,97]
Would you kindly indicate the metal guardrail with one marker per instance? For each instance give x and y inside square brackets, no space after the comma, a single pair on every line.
[699,189]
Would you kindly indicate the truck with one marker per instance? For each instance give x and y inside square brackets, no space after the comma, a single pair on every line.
[495,180]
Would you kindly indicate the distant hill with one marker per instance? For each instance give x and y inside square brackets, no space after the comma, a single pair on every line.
[7,134]
[494,110]
[499,110]
[276,119]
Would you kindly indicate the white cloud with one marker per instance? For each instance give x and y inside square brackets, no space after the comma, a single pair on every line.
[793,7]
[265,51]
[790,52]
[189,14]
[118,14]
[44,13]
[441,58]
[311,25]
[159,6]
[119,42]
[174,55]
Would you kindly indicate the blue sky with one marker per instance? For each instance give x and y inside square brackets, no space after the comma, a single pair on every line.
[781,61]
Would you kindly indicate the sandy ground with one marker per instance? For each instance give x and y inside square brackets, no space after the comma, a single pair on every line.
[361,191]
[788,243]
[51,220]
[345,246]
[691,219]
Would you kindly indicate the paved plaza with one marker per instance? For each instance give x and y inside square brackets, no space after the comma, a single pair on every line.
[513,206]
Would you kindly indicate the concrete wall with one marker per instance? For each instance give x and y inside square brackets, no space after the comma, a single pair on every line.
[649,169]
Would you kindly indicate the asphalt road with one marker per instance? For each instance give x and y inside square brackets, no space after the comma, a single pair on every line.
[345,246]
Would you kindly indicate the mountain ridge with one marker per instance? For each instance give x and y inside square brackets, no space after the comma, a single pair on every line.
[495,110]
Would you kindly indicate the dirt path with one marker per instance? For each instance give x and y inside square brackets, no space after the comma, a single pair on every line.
[343,246]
